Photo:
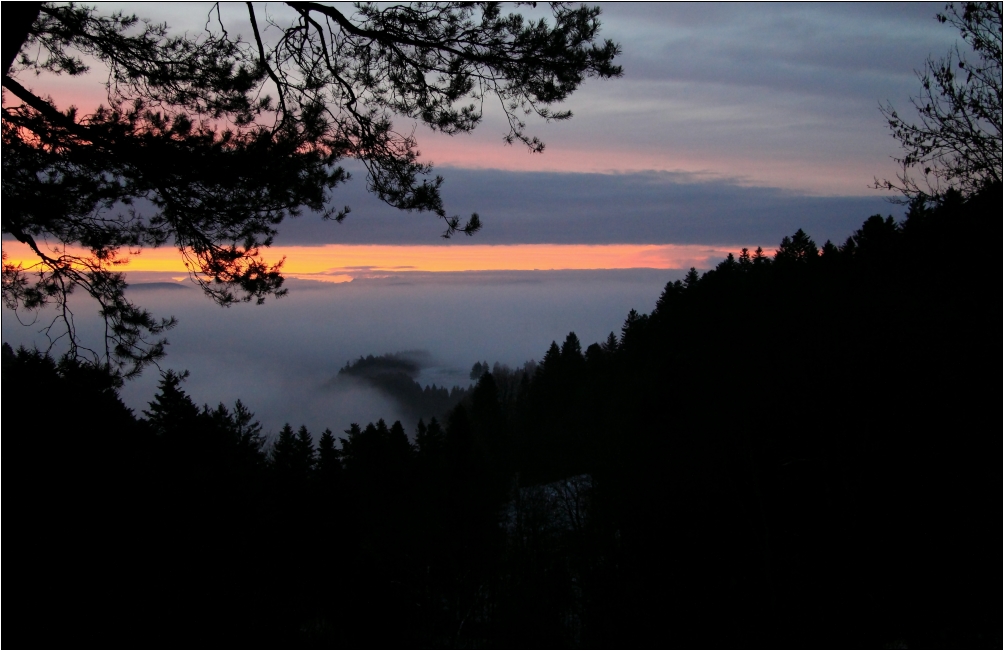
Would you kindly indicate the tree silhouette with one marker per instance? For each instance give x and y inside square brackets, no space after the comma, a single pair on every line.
[305,455]
[797,249]
[329,465]
[284,451]
[171,410]
[957,143]
[394,375]
[209,142]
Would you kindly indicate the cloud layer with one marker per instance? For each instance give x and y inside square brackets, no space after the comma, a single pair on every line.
[575,208]
[777,95]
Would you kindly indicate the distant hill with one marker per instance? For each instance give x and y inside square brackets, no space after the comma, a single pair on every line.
[161,285]
[394,375]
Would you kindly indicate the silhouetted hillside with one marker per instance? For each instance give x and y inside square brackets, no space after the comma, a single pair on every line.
[394,375]
[790,450]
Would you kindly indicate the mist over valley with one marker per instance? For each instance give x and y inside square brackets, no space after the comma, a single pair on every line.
[282,359]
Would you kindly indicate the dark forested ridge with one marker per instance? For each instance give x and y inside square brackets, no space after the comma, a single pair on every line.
[394,376]
[796,450]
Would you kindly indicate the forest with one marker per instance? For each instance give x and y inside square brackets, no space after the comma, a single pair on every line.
[789,450]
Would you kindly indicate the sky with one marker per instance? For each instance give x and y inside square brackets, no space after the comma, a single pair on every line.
[733,125]
[725,113]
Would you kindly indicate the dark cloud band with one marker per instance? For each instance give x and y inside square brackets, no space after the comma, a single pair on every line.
[570,208]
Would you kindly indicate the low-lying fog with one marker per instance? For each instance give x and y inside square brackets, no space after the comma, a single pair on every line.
[280,358]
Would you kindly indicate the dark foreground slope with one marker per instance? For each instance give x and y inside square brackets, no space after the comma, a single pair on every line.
[803,451]
[799,450]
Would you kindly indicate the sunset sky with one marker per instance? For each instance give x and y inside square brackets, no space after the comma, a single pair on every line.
[733,125]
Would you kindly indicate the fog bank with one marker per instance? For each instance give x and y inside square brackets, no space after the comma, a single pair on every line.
[280,358]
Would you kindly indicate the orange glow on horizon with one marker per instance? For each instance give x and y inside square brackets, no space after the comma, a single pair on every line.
[344,262]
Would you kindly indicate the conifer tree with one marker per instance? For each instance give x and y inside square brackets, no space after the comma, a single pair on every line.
[398,439]
[246,432]
[304,448]
[171,410]
[690,280]
[551,360]
[799,248]
[284,451]
[571,350]
[429,439]
[328,462]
